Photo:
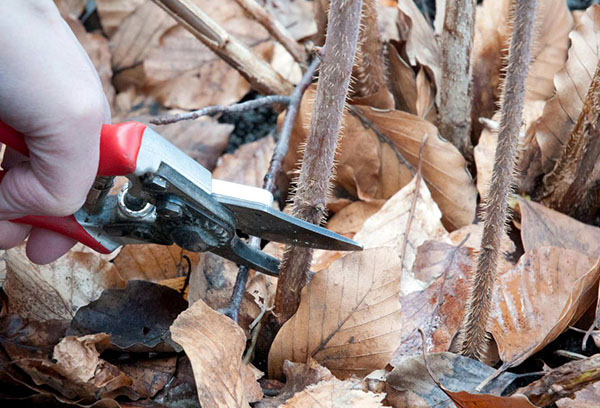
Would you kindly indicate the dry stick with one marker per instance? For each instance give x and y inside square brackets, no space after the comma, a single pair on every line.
[454,113]
[261,76]
[275,28]
[216,109]
[572,186]
[275,166]
[495,212]
[317,164]
[563,382]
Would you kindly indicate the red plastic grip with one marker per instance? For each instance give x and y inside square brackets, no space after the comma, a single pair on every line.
[67,226]
[119,148]
[13,139]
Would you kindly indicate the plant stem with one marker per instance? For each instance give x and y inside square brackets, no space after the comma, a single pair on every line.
[317,164]
[454,114]
[261,76]
[495,213]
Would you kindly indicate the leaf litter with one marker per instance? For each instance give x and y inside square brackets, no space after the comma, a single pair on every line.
[92,330]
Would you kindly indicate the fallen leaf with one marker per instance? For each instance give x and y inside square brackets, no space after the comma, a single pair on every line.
[404,222]
[403,82]
[137,318]
[136,34]
[410,386]
[21,338]
[334,393]
[466,399]
[298,377]
[252,158]
[295,15]
[474,233]
[96,47]
[533,303]
[438,309]
[219,373]
[72,8]
[421,44]
[544,227]
[348,318]
[553,22]
[588,397]
[183,73]
[113,12]
[350,219]
[78,372]
[57,290]
[153,262]
[389,143]
[149,376]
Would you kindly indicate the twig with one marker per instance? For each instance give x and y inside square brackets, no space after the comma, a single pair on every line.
[317,164]
[454,113]
[495,213]
[563,382]
[269,184]
[261,76]
[275,28]
[216,109]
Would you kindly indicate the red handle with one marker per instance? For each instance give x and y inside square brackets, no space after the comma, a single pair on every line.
[119,148]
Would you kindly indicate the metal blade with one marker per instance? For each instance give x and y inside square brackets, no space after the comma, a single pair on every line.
[243,254]
[265,222]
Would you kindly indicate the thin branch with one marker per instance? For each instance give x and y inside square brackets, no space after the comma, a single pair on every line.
[275,28]
[317,164]
[563,382]
[216,109]
[281,148]
[261,76]
[454,113]
[495,213]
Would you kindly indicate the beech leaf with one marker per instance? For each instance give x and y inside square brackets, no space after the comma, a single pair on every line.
[334,393]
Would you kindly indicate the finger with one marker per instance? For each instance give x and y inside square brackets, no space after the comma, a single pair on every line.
[45,246]
[12,234]
[12,158]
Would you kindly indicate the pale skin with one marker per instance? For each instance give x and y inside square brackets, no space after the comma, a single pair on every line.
[50,92]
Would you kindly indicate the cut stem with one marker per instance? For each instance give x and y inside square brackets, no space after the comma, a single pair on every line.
[317,164]
[475,337]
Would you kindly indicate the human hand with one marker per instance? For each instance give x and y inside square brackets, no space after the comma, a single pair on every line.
[50,92]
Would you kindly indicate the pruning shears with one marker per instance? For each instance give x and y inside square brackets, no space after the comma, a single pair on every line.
[171,198]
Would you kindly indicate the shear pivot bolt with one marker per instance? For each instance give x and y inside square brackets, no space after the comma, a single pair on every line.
[171,209]
[155,183]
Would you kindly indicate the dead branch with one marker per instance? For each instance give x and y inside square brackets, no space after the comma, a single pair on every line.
[317,165]
[454,113]
[216,109]
[275,28]
[281,148]
[495,213]
[563,382]
[572,186]
[261,76]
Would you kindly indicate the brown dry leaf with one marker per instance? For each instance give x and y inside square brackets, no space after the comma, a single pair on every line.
[113,12]
[149,376]
[490,44]
[334,393]
[137,33]
[421,43]
[154,262]
[548,290]
[79,372]
[295,15]
[585,398]
[403,82]
[571,82]
[184,73]
[466,399]
[56,290]
[248,165]
[409,385]
[390,227]
[378,155]
[543,227]
[96,47]
[348,318]
[474,232]
[438,309]
[218,373]
[350,219]
[298,377]
[72,8]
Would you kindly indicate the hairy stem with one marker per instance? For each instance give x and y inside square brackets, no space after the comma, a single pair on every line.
[261,76]
[275,28]
[317,164]
[454,114]
[495,213]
